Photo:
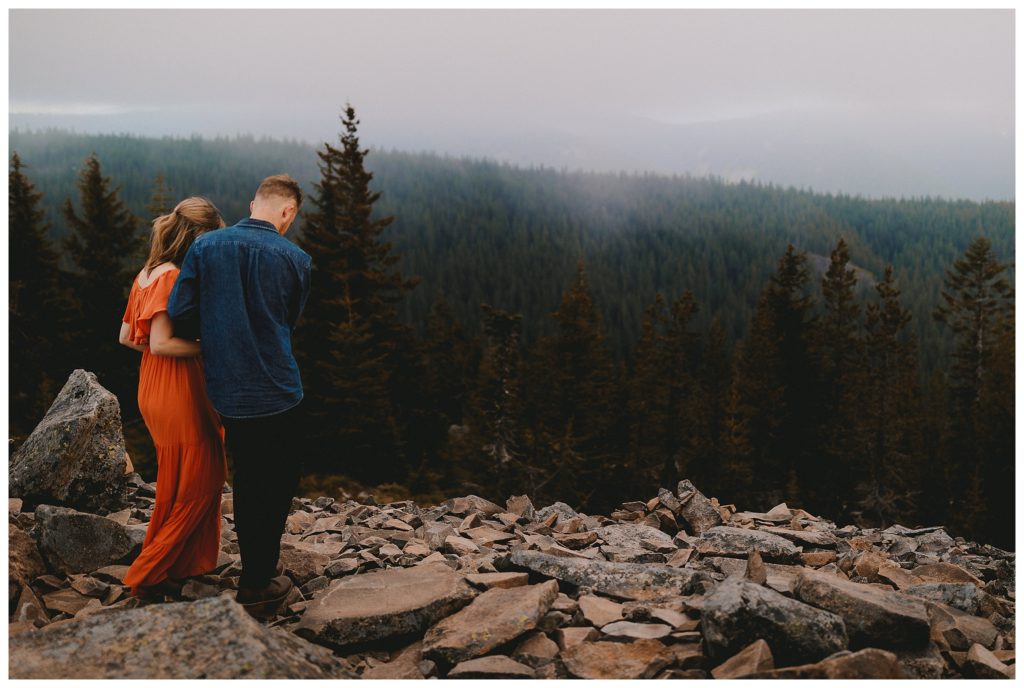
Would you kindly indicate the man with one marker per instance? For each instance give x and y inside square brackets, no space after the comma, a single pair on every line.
[246,286]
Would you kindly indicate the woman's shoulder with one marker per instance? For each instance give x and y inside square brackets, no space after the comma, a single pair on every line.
[146,278]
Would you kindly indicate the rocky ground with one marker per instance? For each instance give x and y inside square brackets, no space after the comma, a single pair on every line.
[677,586]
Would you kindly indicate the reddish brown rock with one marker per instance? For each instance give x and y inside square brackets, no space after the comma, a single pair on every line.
[487,581]
[866,664]
[980,663]
[611,660]
[492,619]
[404,664]
[491,667]
[600,611]
[753,658]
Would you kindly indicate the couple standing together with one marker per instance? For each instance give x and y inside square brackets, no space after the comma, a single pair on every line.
[240,291]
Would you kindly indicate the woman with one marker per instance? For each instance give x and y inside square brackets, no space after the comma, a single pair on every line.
[183,537]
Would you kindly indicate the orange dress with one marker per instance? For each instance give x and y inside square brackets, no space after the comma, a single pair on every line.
[183,537]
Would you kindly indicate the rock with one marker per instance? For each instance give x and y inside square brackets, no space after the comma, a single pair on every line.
[576,540]
[298,522]
[535,649]
[944,572]
[89,586]
[495,617]
[755,571]
[898,576]
[629,535]
[460,545]
[695,509]
[302,565]
[755,657]
[983,664]
[600,611]
[404,664]
[738,612]
[958,630]
[197,590]
[114,573]
[463,505]
[631,629]
[491,667]
[873,617]
[628,581]
[613,660]
[568,636]
[511,579]
[487,536]
[66,600]
[24,563]
[964,596]
[866,664]
[728,541]
[212,639]
[75,457]
[521,506]
[805,538]
[28,608]
[76,542]
[926,663]
[868,563]
[382,604]
[934,541]
[564,511]
[340,567]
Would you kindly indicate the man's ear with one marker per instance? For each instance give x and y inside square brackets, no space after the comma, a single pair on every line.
[252,204]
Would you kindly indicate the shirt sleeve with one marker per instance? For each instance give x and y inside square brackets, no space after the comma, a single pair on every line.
[183,304]
[303,295]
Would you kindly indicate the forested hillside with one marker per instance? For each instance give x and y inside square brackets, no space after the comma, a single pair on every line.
[490,233]
[475,327]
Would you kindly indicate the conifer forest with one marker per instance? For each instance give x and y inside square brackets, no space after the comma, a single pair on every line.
[475,327]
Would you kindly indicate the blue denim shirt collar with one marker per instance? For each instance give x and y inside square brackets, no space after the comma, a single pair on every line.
[253,223]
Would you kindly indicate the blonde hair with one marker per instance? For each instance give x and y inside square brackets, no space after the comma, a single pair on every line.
[174,232]
[281,185]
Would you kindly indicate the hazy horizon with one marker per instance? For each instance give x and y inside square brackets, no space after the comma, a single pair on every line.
[873,103]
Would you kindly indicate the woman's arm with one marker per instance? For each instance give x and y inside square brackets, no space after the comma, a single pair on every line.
[162,341]
[123,338]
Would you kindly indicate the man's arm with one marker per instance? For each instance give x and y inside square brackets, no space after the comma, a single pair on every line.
[183,304]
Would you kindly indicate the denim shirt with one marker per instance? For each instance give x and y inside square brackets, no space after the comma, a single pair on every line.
[246,286]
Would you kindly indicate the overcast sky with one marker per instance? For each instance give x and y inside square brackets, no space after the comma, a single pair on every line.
[873,102]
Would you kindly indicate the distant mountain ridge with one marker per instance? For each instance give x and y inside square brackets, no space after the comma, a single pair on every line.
[485,232]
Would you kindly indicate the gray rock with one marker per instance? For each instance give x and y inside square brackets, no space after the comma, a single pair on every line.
[738,612]
[628,581]
[565,512]
[695,509]
[75,457]
[727,541]
[964,596]
[76,542]
[629,535]
[212,638]
[873,617]
[383,603]
[494,618]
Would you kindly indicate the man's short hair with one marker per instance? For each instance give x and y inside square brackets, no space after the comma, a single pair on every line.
[281,185]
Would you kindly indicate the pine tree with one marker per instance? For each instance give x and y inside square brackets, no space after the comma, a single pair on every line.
[161,200]
[104,237]
[976,306]
[352,309]
[649,410]
[888,414]
[837,348]
[37,307]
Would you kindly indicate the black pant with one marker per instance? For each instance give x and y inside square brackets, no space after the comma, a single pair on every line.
[266,475]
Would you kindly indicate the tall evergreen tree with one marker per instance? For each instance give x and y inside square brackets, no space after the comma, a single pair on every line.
[887,414]
[351,310]
[37,308]
[161,200]
[837,349]
[104,238]
[976,306]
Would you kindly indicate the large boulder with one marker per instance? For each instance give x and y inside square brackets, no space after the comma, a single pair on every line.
[492,619]
[75,542]
[75,457]
[212,638]
[738,612]
[627,581]
[384,603]
[873,617]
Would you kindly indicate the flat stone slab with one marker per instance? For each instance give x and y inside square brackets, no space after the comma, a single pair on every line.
[873,617]
[738,612]
[753,658]
[491,667]
[728,541]
[614,660]
[510,579]
[867,664]
[495,617]
[631,629]
[600,611]
[627,581]
[383,603]
[629,535]
[213,638]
